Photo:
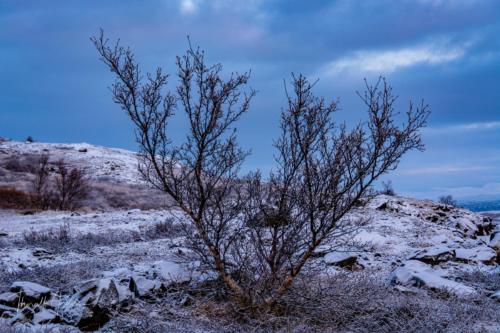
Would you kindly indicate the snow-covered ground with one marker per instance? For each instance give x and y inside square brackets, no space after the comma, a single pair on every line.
[412,243]
[101,163]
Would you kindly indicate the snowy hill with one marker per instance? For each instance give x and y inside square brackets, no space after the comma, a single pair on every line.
[101,163]
[113,173]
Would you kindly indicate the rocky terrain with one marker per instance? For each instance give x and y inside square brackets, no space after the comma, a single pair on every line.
[88,270]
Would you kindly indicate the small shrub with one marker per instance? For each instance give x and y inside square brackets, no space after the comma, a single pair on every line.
[42,197]
[10,198]
[84,243]
[163,229]
[71,186]
[54,238]
[447,200]
[15,164]
[387,188]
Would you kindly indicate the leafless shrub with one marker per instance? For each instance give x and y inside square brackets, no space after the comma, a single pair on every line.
[387,188]
[15,164]
[54,238]
[86,242]
[448,200]
[165,229]
[41,193]
[11,198]
[71,186]
[323,169]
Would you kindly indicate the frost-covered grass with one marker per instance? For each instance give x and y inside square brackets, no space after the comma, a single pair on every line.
[61,238]
[60,278]
[346,302]
[6,328]
[486,280]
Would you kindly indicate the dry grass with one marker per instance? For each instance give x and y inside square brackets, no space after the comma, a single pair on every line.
[347,302]
[10,198]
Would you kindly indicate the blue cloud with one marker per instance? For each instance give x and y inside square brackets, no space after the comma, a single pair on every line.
[446,51]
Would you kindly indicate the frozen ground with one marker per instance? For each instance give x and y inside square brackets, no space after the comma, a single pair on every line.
[131,254]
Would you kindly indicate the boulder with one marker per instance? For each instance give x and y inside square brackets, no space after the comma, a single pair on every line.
[45,316]
[92,302]
[171,272]
[107,294]
[7,311]
[483,254]
[434,255]
[93,318]
[417,274]
[31,292]
[495,241]
[143,287]
[496,296]
[9,299]
[42,253]
[101,292]
[342,259]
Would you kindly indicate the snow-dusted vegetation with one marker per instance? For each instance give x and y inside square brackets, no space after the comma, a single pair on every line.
[418,266]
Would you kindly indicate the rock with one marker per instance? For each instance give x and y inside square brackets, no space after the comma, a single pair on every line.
[92,319]
[7,311]
[495,241]
[496,296]
[108,294]
[98,292]
[171,272]
[142,287]
[53,303]
[483,254]
[90,306]
[42,253]
[28,313]
[405,290]
[3,234]
[342,259]
[23,316]
[83,150]
[186,301]
[9,299]
[434,255]
[417,274]
[31,292]
[93,300]
[45,316]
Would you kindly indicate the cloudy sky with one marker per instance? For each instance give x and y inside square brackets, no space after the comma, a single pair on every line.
[53,87]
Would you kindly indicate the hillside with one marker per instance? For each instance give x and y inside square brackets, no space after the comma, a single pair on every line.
[113,173]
